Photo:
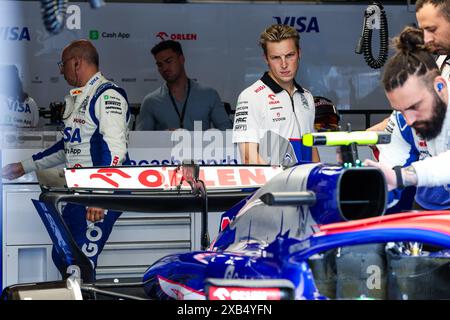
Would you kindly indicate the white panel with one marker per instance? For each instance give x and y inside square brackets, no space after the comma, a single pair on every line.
[23,226]
[150,230]
[29,264]
[120,272]
[132,255]
[32,264]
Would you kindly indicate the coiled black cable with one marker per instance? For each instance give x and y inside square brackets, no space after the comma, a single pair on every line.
[54,14]
[365,43]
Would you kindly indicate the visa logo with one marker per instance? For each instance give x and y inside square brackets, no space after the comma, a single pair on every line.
[16,106]
[300,23]
[14,33]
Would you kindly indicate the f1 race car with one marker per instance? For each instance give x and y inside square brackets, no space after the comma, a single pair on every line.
[284,235]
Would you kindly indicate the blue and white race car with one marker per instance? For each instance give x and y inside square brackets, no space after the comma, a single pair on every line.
[276,238]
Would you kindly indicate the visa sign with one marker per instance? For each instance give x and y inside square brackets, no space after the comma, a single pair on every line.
[14,33]
[302,24]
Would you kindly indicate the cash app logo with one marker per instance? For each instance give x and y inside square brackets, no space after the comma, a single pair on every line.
[106,97]
[93,34]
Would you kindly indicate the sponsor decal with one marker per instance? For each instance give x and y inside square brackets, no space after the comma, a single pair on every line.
[272,98]
[287,158]
[241,113]
[224,223]
[75,92]
[93,81]
[73,151]
[83,105]
[237,293]
[115,161]
[168,178]
[16,106]
[36,80]
[174,161]
[95,35]
[200,257]
[241,120]
[54,79]
[15,33]
[305,102]
[179,291]
[241,108]
[72,136]
[108,97]
[176,36]
[302,24]
[240,127]
[390,126]
[128,79]
[114,103]
[114,108]
[259,89]
[278,117]
[422,144]
[81,121]
[73,17]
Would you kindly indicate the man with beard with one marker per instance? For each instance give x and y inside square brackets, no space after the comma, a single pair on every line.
[433,17]
[181,101]
[419,93]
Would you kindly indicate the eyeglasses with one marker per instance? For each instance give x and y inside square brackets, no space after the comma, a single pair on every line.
[62,62]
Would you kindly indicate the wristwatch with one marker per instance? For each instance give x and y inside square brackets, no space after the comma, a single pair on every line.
[398,175]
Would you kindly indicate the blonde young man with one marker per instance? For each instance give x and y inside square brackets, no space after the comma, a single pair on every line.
[275,111]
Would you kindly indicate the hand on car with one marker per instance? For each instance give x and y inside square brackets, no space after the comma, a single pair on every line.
[95,214]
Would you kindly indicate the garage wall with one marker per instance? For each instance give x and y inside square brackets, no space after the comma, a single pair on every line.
[220,43]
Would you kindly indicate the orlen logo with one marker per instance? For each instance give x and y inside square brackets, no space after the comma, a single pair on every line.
[234,293]
[302,24]
[167,177]
[105,174]
[176,36]
[272,99]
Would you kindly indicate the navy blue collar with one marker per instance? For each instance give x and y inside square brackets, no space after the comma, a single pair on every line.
[275,87]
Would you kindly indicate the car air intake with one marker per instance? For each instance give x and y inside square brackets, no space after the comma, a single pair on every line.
[347,193]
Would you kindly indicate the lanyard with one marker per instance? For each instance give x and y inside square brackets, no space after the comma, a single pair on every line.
[181,116]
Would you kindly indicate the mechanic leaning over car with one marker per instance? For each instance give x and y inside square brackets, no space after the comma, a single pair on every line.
[419,93]
[95,119]
[433,17]
[275,104]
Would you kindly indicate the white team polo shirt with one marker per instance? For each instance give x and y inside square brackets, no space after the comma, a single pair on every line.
[265,106]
